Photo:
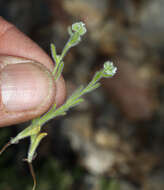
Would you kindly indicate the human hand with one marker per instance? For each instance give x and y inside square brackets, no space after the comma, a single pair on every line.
[27,89]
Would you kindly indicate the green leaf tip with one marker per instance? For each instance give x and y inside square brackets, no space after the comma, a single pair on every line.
[80,28]
[109,69]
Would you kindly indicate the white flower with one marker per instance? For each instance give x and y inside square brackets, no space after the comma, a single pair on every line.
[79,27]
[109,69]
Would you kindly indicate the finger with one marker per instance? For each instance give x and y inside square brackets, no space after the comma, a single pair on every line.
[28,90]
[13,42]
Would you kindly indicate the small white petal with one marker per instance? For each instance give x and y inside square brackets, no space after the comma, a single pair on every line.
[109,69]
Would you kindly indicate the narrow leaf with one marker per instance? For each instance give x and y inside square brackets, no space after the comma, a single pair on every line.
[91,88]
[60,69]
[31,130]
[75,102]
[35,140]
[76,93]
[53,52]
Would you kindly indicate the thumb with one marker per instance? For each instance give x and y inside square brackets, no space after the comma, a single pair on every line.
[26,89]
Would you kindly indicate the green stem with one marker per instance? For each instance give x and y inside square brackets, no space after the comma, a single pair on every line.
[65,50]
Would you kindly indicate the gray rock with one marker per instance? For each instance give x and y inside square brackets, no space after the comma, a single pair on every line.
[124,185]
[155,181]
[152,22]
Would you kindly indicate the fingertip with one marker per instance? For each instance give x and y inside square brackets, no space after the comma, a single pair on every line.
[14,42]
[27,90]
[60,91]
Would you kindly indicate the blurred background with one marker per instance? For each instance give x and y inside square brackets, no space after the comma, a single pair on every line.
[115,140]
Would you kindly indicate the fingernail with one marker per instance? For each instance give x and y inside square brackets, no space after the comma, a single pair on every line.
[24,86]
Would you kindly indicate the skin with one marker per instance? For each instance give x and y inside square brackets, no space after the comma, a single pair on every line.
[24,65]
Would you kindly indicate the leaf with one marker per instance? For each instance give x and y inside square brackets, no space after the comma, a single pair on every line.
[91,88]
[31,130]
[70,31]
[75,102]
[35,140]
[60,69]
[53,52]
[76,93]
[62,110]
